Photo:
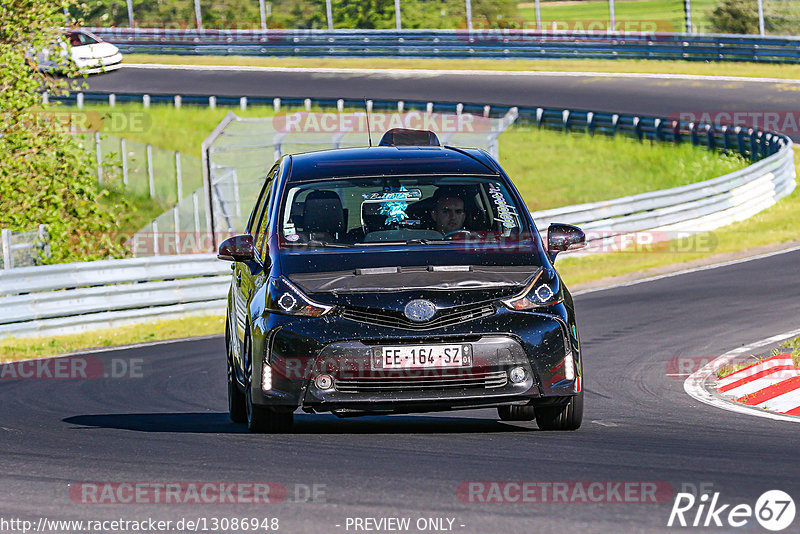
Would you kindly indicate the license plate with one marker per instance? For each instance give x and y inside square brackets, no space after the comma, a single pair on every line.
[424,356]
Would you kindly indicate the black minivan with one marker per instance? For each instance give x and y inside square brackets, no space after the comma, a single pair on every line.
[406,277]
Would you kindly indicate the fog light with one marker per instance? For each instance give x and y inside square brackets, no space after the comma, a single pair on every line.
[517,374]
[266,377]
[287,302]
[569,367]
[324,382]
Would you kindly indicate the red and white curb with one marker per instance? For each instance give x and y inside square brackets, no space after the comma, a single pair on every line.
[769,389]
[772,384]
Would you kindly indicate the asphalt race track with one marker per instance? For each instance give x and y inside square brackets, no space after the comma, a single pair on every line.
[646,96]
[163,418]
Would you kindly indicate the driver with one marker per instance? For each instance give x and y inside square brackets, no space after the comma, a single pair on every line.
[448,213]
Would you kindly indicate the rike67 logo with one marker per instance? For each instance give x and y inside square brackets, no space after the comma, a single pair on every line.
[774,510]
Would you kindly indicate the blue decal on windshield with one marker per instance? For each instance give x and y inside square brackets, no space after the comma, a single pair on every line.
[393,203]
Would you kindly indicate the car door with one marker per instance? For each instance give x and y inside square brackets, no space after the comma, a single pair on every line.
[247,273]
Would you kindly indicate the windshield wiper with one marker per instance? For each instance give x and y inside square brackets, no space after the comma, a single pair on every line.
[327,245]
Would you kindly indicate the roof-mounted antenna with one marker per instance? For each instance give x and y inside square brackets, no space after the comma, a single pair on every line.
[369,132]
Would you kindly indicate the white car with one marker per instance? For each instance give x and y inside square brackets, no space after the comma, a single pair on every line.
[91,54]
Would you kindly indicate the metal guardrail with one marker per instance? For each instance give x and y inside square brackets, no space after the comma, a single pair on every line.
[73,297]
[81,296]
[488,44]
[686,210]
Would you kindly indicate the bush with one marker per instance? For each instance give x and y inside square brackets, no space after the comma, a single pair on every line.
[45,174]
[735,16]
[741,16]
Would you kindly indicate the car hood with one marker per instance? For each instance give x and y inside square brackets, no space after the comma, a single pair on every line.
[94,51]
[391,278]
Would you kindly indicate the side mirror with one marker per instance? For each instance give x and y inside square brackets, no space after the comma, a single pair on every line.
[237,248]
[562,237]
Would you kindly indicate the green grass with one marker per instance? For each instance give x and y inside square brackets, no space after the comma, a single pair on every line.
[721,68]
[793,344]
[192,326]
[166,127]
[550,168]
[553,169]
[777,224]
[635,15]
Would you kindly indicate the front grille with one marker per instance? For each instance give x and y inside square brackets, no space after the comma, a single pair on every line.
[482,380]
[395,319]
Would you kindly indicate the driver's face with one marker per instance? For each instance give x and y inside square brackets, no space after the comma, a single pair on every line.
[449,215]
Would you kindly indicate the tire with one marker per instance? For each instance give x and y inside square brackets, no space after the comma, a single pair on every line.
[237,410]
[265,420]
[516,413]
[236,401]
[566,417]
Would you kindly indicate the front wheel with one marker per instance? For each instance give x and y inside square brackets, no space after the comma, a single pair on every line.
[516,413]
[236,401]
[566,417]
[265,420]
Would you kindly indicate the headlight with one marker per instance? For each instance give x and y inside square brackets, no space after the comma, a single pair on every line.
[542,290]
[283,297]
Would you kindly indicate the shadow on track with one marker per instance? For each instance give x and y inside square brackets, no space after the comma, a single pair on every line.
[218,423]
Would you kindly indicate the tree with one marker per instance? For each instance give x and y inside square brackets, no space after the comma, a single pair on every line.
[45,174]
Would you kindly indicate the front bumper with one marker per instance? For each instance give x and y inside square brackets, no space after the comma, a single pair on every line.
[98,65]
[297,350]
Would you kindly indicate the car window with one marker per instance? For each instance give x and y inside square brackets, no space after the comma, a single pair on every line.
[80,39]
[85,39]
[255,215]
[361,211]
[259,237]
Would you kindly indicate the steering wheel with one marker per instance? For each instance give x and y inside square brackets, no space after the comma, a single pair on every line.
[451,234]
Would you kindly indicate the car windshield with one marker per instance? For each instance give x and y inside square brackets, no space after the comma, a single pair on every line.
[414,210]
[80,38]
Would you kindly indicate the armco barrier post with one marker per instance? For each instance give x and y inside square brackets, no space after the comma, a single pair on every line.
[44,239]
[712,142]
[150,177]
[98,156]
[178,177]
[124,151]
[196,211]
[177,222]
[155,238]
[5,236]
